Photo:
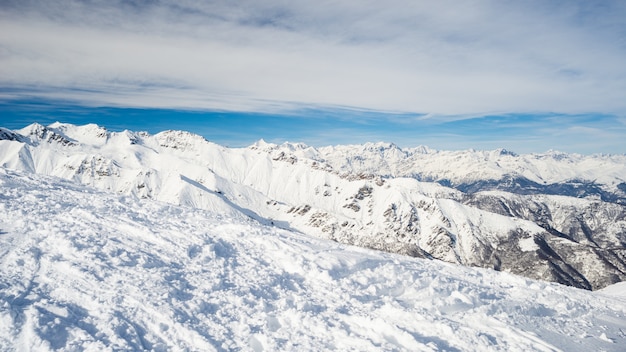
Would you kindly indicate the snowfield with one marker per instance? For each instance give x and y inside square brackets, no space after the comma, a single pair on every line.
[492,209]
[82,269]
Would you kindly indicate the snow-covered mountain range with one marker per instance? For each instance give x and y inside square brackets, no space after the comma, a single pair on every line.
[88,270]
[554,216]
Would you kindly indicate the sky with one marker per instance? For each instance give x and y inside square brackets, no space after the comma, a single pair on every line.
[527,76]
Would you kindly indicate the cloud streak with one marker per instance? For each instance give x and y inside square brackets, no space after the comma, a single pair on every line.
[440,58]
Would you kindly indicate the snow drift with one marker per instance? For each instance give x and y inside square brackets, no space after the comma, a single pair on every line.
[83,269]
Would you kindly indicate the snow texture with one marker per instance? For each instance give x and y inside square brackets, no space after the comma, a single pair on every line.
[499,210]
[83,269]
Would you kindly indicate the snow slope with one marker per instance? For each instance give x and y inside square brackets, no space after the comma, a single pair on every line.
[82,269]
[330,193]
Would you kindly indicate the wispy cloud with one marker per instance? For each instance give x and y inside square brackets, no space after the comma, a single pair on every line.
[441,58]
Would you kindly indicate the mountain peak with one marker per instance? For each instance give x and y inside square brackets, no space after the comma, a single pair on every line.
[295,146]
[261,144]
[422,149]
[181,140]
[380,146]
[33,129]
[504,152]
[38,133]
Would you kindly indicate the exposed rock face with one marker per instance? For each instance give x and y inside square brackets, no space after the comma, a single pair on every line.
[553,216]
[575,230]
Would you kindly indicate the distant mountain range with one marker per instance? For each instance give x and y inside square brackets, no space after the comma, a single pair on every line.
[553,216]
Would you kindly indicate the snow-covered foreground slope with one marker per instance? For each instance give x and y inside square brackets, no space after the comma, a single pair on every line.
[82,269]
[370,195]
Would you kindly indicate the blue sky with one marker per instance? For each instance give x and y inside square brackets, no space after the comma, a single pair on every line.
[522,75]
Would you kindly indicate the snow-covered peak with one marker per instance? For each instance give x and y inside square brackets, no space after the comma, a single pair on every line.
[181,140]
[52,135]
[32,129]
[421,149]
[379,146]
[286,150]
[295,146]
[66,134]
[89,134]
[262,145]
[371,147]
[555,154]
[502,152]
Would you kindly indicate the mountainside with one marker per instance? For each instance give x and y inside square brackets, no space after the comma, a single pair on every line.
[82,269]
[555,173]
[553,217]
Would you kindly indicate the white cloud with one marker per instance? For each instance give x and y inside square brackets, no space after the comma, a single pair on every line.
[443,58]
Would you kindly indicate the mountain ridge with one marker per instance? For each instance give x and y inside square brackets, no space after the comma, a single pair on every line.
[373,195]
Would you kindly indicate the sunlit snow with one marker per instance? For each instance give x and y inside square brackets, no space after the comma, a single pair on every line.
[555,217]
[81,269]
